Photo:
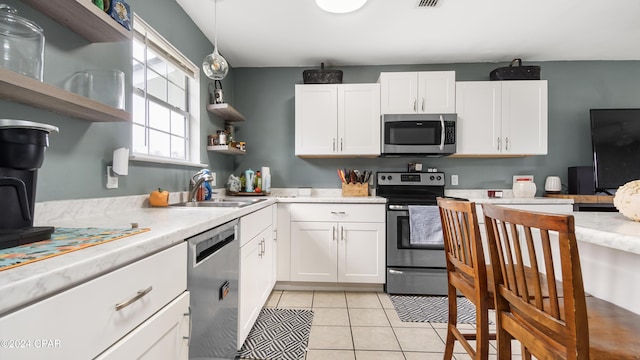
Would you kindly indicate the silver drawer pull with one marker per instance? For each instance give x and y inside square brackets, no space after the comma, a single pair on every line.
[138,296]
[338,212]
[391,271]
[188,338]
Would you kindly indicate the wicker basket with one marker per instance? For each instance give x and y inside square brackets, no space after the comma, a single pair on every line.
[322,76]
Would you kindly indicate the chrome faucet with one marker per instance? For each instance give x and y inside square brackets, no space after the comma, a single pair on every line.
[197,180]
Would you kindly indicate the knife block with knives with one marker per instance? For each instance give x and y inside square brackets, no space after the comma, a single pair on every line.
[354,183]
[357,189]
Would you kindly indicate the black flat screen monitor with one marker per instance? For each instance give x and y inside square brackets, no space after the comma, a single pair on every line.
[615,136]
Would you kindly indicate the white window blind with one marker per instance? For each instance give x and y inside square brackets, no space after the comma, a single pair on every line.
[165,98]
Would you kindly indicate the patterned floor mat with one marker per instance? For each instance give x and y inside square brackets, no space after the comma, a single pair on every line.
[432,309]
[278,334]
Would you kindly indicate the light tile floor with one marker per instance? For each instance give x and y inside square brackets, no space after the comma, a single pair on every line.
[364,325]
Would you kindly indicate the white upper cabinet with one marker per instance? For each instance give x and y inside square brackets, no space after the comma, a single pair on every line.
[425,92]
[338,120]
[501,118]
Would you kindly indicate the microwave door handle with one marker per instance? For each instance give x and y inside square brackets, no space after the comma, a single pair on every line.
[442,134]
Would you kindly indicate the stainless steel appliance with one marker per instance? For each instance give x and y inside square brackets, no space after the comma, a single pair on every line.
[411,268]
[212,279]
[419,134]
[22,149]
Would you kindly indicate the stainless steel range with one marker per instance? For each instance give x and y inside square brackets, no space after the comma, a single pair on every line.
[412,267]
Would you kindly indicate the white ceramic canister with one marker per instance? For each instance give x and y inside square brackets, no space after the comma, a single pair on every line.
[524,188]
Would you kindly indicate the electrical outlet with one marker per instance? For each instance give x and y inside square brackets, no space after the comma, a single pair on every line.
[213,179]
[112,179]
[454,180]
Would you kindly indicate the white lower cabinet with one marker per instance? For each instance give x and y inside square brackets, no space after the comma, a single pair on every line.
[257,257]
[338,243]
[86,320]
[164,336]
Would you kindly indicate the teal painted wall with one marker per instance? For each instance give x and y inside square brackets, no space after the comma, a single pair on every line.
[76,160]
[75,163]
[266,97]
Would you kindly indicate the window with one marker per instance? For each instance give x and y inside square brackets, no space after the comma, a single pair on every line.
[165,99]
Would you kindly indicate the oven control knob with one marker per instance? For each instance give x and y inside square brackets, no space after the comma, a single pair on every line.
[439,178]
[383,177]
[432,177]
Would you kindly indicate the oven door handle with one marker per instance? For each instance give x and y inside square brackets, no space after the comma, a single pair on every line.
[442,134]
[399,207]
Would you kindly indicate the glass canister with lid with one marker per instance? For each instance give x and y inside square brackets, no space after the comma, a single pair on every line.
[21,44]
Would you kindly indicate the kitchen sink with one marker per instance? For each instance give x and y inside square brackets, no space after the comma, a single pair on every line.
[220,203]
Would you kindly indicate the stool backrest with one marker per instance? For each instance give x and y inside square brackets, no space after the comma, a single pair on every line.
[549,320]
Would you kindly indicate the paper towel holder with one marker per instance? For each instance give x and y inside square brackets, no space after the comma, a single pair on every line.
[120,167]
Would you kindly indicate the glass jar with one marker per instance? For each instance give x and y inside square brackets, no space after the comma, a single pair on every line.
[21,44]
[524,189]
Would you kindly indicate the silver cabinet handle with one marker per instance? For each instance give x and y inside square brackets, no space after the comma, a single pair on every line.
[442,134]
[498,143]
[333,232]
[137,297]
[391,271]
[334,144]
[342,237]
[423,104]
[341,144]
[506,146]
[415,102]
[338,212]
[188,338]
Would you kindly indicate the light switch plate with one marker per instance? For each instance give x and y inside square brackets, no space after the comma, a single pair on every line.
[520,177]
[214,181]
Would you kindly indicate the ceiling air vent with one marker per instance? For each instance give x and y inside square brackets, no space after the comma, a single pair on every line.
[427,3]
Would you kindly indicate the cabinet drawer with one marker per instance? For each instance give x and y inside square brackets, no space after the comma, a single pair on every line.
[82,322]
[338,212]
[251,225]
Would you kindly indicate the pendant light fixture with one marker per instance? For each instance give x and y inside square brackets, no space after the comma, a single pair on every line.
[340,6]
[214,65]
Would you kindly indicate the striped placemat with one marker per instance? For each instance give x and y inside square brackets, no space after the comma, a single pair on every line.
[63,241]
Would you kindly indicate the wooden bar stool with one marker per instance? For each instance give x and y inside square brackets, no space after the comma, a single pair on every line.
[466,273]
[551,322]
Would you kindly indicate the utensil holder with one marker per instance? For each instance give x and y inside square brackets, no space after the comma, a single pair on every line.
[355,189]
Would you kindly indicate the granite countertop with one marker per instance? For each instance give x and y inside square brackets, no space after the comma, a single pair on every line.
[30,283]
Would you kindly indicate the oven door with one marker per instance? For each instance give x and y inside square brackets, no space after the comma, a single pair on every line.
[400,251]
[418,134]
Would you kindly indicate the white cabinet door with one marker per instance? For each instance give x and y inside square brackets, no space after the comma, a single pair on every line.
[359,119]
[164,336]
[316,119]
[249,293]
[478,129]
[425,92]
[503,118]
[398,92]
[266,265]
[361,253]
[314,251]
[436,92]
[524,117]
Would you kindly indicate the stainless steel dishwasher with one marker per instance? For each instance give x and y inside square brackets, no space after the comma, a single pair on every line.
[212,279]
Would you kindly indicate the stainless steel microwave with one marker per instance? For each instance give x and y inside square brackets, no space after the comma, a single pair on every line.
[419,134]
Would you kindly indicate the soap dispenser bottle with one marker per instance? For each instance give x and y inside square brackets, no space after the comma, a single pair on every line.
[249,175]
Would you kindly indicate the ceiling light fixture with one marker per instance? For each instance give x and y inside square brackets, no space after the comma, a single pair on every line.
[340,6]
[214,65]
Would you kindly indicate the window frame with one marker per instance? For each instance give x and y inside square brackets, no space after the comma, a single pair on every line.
[152,40]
